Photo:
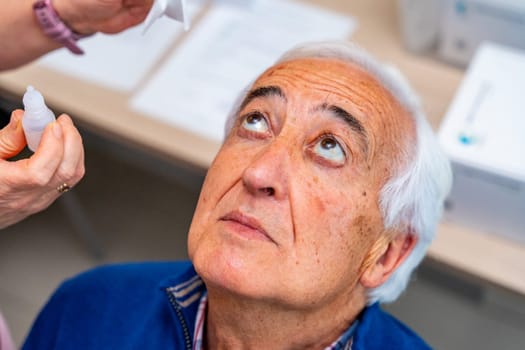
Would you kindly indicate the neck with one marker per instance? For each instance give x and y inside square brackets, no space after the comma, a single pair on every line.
[234,322]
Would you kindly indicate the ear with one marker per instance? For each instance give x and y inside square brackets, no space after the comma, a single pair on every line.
[387,253]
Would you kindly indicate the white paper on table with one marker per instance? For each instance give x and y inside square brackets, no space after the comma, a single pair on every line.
[198,85]
[119,61]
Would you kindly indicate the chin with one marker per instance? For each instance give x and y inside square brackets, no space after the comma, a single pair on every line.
[227,272]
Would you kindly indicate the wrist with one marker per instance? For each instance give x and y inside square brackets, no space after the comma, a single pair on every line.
[54,26]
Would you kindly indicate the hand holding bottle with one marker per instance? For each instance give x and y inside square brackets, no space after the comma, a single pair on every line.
[30,185]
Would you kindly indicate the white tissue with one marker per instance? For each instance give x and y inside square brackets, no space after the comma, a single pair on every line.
[172,8]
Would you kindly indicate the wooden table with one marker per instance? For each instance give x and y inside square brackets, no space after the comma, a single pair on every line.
[490,258]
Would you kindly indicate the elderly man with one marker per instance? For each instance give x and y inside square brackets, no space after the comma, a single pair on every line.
[321,201]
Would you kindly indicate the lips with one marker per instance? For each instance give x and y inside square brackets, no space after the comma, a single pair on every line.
[245,226]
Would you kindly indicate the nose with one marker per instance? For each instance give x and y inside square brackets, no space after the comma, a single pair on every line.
[267,173]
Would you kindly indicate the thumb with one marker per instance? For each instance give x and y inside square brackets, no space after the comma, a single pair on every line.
[12,139]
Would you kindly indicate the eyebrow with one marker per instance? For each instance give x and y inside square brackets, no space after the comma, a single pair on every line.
[263,91]
[338,112]
[349,119]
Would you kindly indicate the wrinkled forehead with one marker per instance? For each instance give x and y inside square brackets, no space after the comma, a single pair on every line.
[344,82]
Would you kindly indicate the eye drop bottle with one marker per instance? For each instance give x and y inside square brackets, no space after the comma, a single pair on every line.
[36,116]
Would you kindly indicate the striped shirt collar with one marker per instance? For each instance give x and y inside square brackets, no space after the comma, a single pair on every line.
[344,342]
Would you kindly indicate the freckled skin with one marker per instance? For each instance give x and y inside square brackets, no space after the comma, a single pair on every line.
[322,219]
[318,202]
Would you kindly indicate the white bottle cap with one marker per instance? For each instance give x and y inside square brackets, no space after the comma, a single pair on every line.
[36,117]
[33,100]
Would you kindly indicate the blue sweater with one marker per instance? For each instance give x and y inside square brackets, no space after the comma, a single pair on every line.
[154,306]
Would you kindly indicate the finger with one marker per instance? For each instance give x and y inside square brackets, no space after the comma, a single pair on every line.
[21,190]
[48,156]
[145,4]
[12,139]
[71,168]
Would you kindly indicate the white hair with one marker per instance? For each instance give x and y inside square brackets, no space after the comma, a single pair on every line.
[412,199]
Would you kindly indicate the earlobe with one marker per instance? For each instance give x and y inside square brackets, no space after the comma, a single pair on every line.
[387,253]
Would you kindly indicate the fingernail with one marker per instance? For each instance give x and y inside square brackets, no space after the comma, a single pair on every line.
[57,130]
[64,118]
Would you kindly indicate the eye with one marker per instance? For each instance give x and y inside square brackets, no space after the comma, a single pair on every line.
[330,149]
[255,122]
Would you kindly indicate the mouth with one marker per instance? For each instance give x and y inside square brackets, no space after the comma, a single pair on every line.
[245,226]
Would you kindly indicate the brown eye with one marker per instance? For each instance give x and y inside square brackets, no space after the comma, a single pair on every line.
[328,143]
[255,122]
[329,148]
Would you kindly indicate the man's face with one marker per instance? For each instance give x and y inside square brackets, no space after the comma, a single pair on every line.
[289,209]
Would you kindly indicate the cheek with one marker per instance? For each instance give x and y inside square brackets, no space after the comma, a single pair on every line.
[224,172]
[319,212]
[363,233]
[333,220]
[314,197]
